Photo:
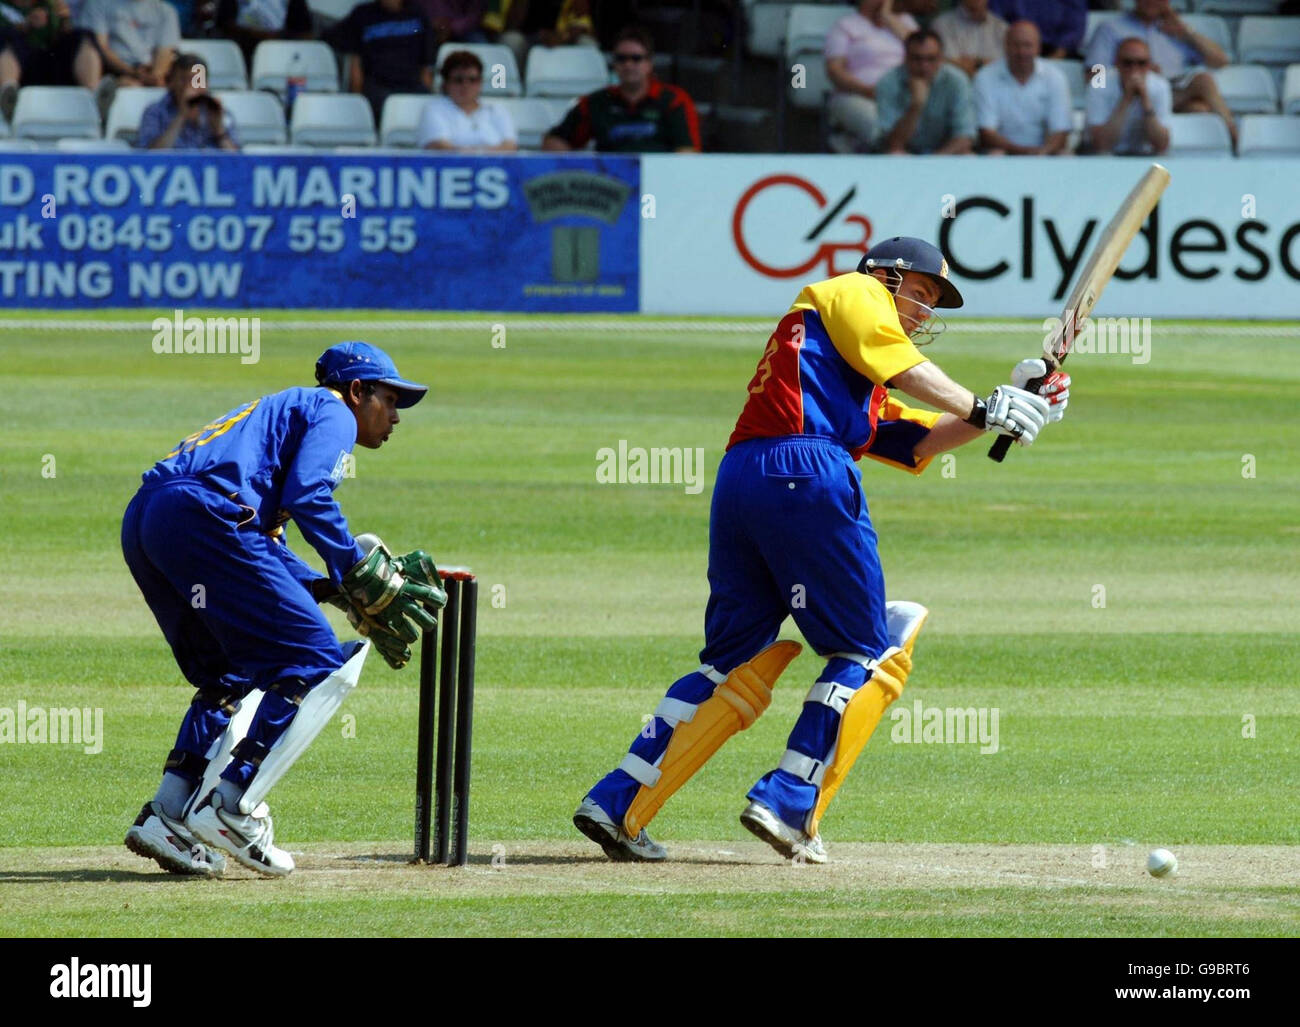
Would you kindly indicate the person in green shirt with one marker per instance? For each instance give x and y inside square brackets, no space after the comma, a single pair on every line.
[925,105]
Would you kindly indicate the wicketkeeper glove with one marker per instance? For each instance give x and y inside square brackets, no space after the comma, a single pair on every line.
[378,589]
[396,653]
[418,566]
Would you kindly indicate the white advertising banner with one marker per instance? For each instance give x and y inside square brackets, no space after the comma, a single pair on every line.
[737,235]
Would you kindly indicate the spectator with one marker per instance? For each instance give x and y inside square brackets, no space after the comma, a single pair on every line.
[44,49]
[392,50]
[137,38]
[188,117]
[1129,108]
[639,115]
[460,120]
[1175,52]
[454,21]
[971,36]
[860,48]
[1022,103]
[528,23]
[249,22]
[925,105]
[1061,23]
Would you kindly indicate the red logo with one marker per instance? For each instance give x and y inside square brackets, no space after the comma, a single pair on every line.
[811,250]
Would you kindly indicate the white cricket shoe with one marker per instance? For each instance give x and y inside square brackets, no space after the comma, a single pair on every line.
[249,838]
[595,823]
[156,836]
[789,842]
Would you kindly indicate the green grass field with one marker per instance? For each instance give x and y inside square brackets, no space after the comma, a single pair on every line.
[1167,717]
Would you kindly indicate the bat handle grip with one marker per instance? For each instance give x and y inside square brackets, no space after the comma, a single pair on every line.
[998,451]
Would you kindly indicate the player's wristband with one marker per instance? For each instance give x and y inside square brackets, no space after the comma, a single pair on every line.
[978,416]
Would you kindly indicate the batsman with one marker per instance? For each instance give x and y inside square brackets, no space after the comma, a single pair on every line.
[790,535]
[204,540]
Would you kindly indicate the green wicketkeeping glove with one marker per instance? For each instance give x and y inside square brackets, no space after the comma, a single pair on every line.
[396,653]
[377,588]
[418,566]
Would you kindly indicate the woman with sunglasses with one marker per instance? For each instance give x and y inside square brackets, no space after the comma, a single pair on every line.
[459,120]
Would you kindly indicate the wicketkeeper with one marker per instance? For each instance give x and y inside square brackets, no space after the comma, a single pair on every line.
[790,535]
[204,540]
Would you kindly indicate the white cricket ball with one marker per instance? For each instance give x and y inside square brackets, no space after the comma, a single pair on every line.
[1162,863]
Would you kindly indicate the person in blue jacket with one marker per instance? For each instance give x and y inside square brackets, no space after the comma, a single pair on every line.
[203,538]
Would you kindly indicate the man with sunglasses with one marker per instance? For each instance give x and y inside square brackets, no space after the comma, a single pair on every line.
[790,536]
[639,115]
[1128,110]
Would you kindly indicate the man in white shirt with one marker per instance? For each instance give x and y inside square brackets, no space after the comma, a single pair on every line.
[1022,103]
[460,120]
[860,49]
[1129,106]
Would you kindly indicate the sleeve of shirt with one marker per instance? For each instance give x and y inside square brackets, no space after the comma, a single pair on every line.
[862,324]
[433,126]
[1097,105]
[890,101]
[682,123]
[898,429]
[1101,50]
[169,30]
[153,122]
[505,124]
[986,111]
[837,41]
[962,115]
[1058,114]
[1162,100]
[308,491]
[94,16]
[575,128]
[298,17]
[303,572]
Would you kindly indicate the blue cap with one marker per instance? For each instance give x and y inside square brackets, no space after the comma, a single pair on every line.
[349,361]
[904,253]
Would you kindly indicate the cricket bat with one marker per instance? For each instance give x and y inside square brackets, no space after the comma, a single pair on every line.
[1105,258]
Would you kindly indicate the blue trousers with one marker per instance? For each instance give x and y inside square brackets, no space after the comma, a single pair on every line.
[234,615]
[789,535]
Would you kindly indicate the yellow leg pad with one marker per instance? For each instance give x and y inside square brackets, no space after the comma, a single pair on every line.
[863,713]
[735,704]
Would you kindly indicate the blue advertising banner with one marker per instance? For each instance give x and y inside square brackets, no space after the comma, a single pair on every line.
[419,232]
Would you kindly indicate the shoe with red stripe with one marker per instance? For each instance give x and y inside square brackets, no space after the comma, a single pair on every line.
[249,838]
[156,836]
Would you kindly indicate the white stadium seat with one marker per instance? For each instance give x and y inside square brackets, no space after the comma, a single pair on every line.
[400,119]
[124,115]
[1268,40]
[275,59]
[1199,135]
[1247,88]
[18,146]
[1291,90]
[92,145]
[1073,72]
[1238,6]
[334,10]
[765,26]
[533,118]
[494,57]
[807,27]
[225,61]
[332,119]
[565,71]
[278,149]
[56,112]
[1212,27]
[259,116]
[1269,135]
